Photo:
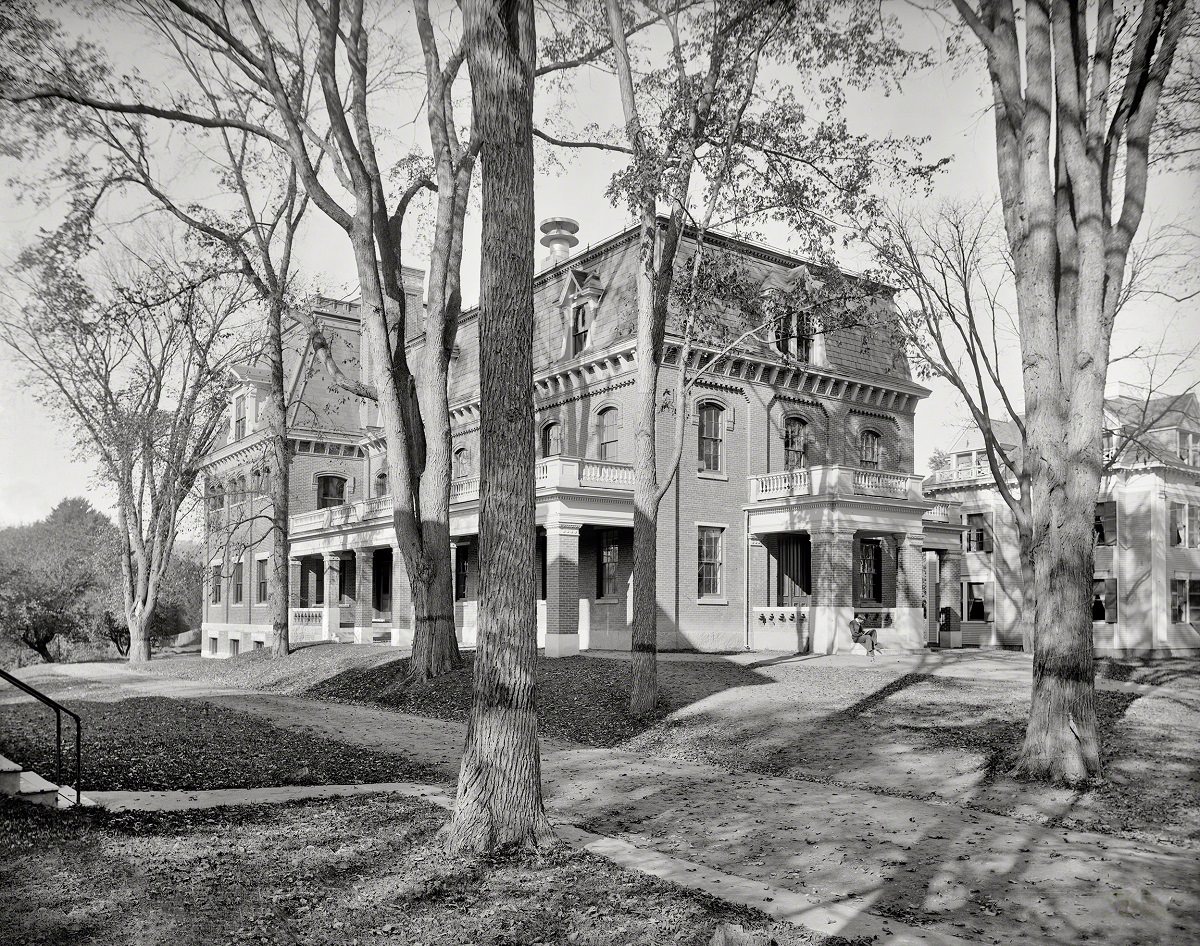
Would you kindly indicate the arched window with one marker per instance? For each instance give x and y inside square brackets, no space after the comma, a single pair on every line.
[551,440]
[712,437]
[462,463]
[868,452]
[795,443]
[381,484]
[607,426]
[331,491]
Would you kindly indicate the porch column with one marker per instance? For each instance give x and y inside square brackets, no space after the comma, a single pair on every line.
[950,598]
[832,591]
[402,618]
[331,610]
[364,586]
[562,589]
[906,631]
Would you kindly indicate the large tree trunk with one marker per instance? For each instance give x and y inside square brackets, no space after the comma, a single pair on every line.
[1027,620]
[1061,744]
[278,486]
[139,637]
[499,787]
[643,690]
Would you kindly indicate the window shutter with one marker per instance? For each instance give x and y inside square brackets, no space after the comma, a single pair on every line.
[730,417]
[987,533]
[1110,600]
[349,485]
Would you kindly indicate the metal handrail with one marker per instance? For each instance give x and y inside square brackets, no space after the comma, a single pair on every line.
[59,709]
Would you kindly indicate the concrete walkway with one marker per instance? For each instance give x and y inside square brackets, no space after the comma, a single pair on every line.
[855,857]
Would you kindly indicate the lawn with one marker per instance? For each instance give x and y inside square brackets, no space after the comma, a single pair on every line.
[158,744]
[360,871]
[914,727]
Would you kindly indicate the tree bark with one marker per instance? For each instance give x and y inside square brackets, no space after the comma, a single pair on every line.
[279,486]
[499,788]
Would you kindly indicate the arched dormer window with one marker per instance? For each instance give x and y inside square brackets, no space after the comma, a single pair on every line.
[795,443]
[551,440]
[868,450]
[331,491]
[711,438]
[462,463]
[381,484]
[607,426]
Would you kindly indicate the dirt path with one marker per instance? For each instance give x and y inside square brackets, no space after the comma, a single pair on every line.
[983,877]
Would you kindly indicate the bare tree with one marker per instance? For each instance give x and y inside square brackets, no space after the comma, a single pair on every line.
[271,52]
[139,372]
[1074,112]
[499,785]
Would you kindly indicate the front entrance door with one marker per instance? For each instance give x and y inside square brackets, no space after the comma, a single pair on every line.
[381,585]
[795,570]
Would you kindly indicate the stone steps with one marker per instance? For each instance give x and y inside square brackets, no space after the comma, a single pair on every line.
[28,786]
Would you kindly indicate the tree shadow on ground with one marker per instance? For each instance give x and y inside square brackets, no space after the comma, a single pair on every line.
[581,699]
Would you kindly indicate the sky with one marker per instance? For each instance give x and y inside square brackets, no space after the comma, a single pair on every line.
[39,464]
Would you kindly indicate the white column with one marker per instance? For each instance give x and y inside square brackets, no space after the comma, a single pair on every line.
[331,613]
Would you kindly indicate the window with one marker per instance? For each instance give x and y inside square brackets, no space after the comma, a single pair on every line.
[1104,600]
[213,643]
[607,426]
[381,484]
[978,537]
[868,450]
[1105,523]
[215,582]
[260,580]
[1185,600]
[304,446]
[607,585]
[977,600]
[581,324]
[795,443]
[257,645]
[709,554]
[712,433]
[462,559]
[551,441]
[870,570]
[1189,448]
[235,591]
[331,491]
[462,463]
[794,337]
[1179,524]
[239,418]
[319,447]
[235,646]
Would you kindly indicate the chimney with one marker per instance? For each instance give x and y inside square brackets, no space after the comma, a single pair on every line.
[558,236]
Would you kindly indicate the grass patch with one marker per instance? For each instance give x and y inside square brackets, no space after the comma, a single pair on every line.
[363,871]
[159,744]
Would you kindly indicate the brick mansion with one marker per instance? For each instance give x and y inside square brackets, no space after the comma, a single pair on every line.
[797,502]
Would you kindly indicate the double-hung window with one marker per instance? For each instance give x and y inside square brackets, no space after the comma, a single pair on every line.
[712,437]
[978,599]
[870,570]
[607,585]
[235,591]
[1104,600]
[581,323]
[462,560]
[239,417]
[607,426]
[1105,524]
[1185,600]
[214,580]
[869,450]
[1183,528]
[260,579]
[978,537]
[710,547]
[795,444]
[1189,447]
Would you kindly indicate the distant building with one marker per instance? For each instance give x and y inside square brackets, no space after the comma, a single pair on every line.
[1146,588]
[796,502]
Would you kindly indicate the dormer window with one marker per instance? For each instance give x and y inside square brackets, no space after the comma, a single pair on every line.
[1189,447]
[239,417]
[794,337]
[581,323]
